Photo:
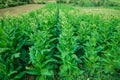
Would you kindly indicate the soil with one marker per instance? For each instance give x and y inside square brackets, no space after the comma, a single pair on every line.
[14,11]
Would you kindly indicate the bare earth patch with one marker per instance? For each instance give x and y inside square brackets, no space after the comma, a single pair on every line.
[13,11]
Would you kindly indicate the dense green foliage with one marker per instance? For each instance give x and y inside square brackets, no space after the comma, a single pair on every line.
[12,3]
[92,2]
[58,42]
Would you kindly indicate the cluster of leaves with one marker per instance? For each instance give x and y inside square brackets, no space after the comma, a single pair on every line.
[57,42]
[24,44]
[98,44]
[42,51]
[12,46]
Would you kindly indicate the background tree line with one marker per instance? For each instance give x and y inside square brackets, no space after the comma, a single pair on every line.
[92,2]
[12,3]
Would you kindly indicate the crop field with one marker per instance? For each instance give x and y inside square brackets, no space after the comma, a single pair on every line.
[61,42]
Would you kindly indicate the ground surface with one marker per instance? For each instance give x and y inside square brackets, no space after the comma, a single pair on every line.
[13,11]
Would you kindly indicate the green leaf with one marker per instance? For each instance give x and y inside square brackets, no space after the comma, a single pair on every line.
[20,75]
[3,50]
[46,72]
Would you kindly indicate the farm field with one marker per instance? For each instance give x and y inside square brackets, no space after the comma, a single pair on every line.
[61,42]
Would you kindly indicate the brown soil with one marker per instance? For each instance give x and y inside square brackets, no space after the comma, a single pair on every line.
[13,11]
